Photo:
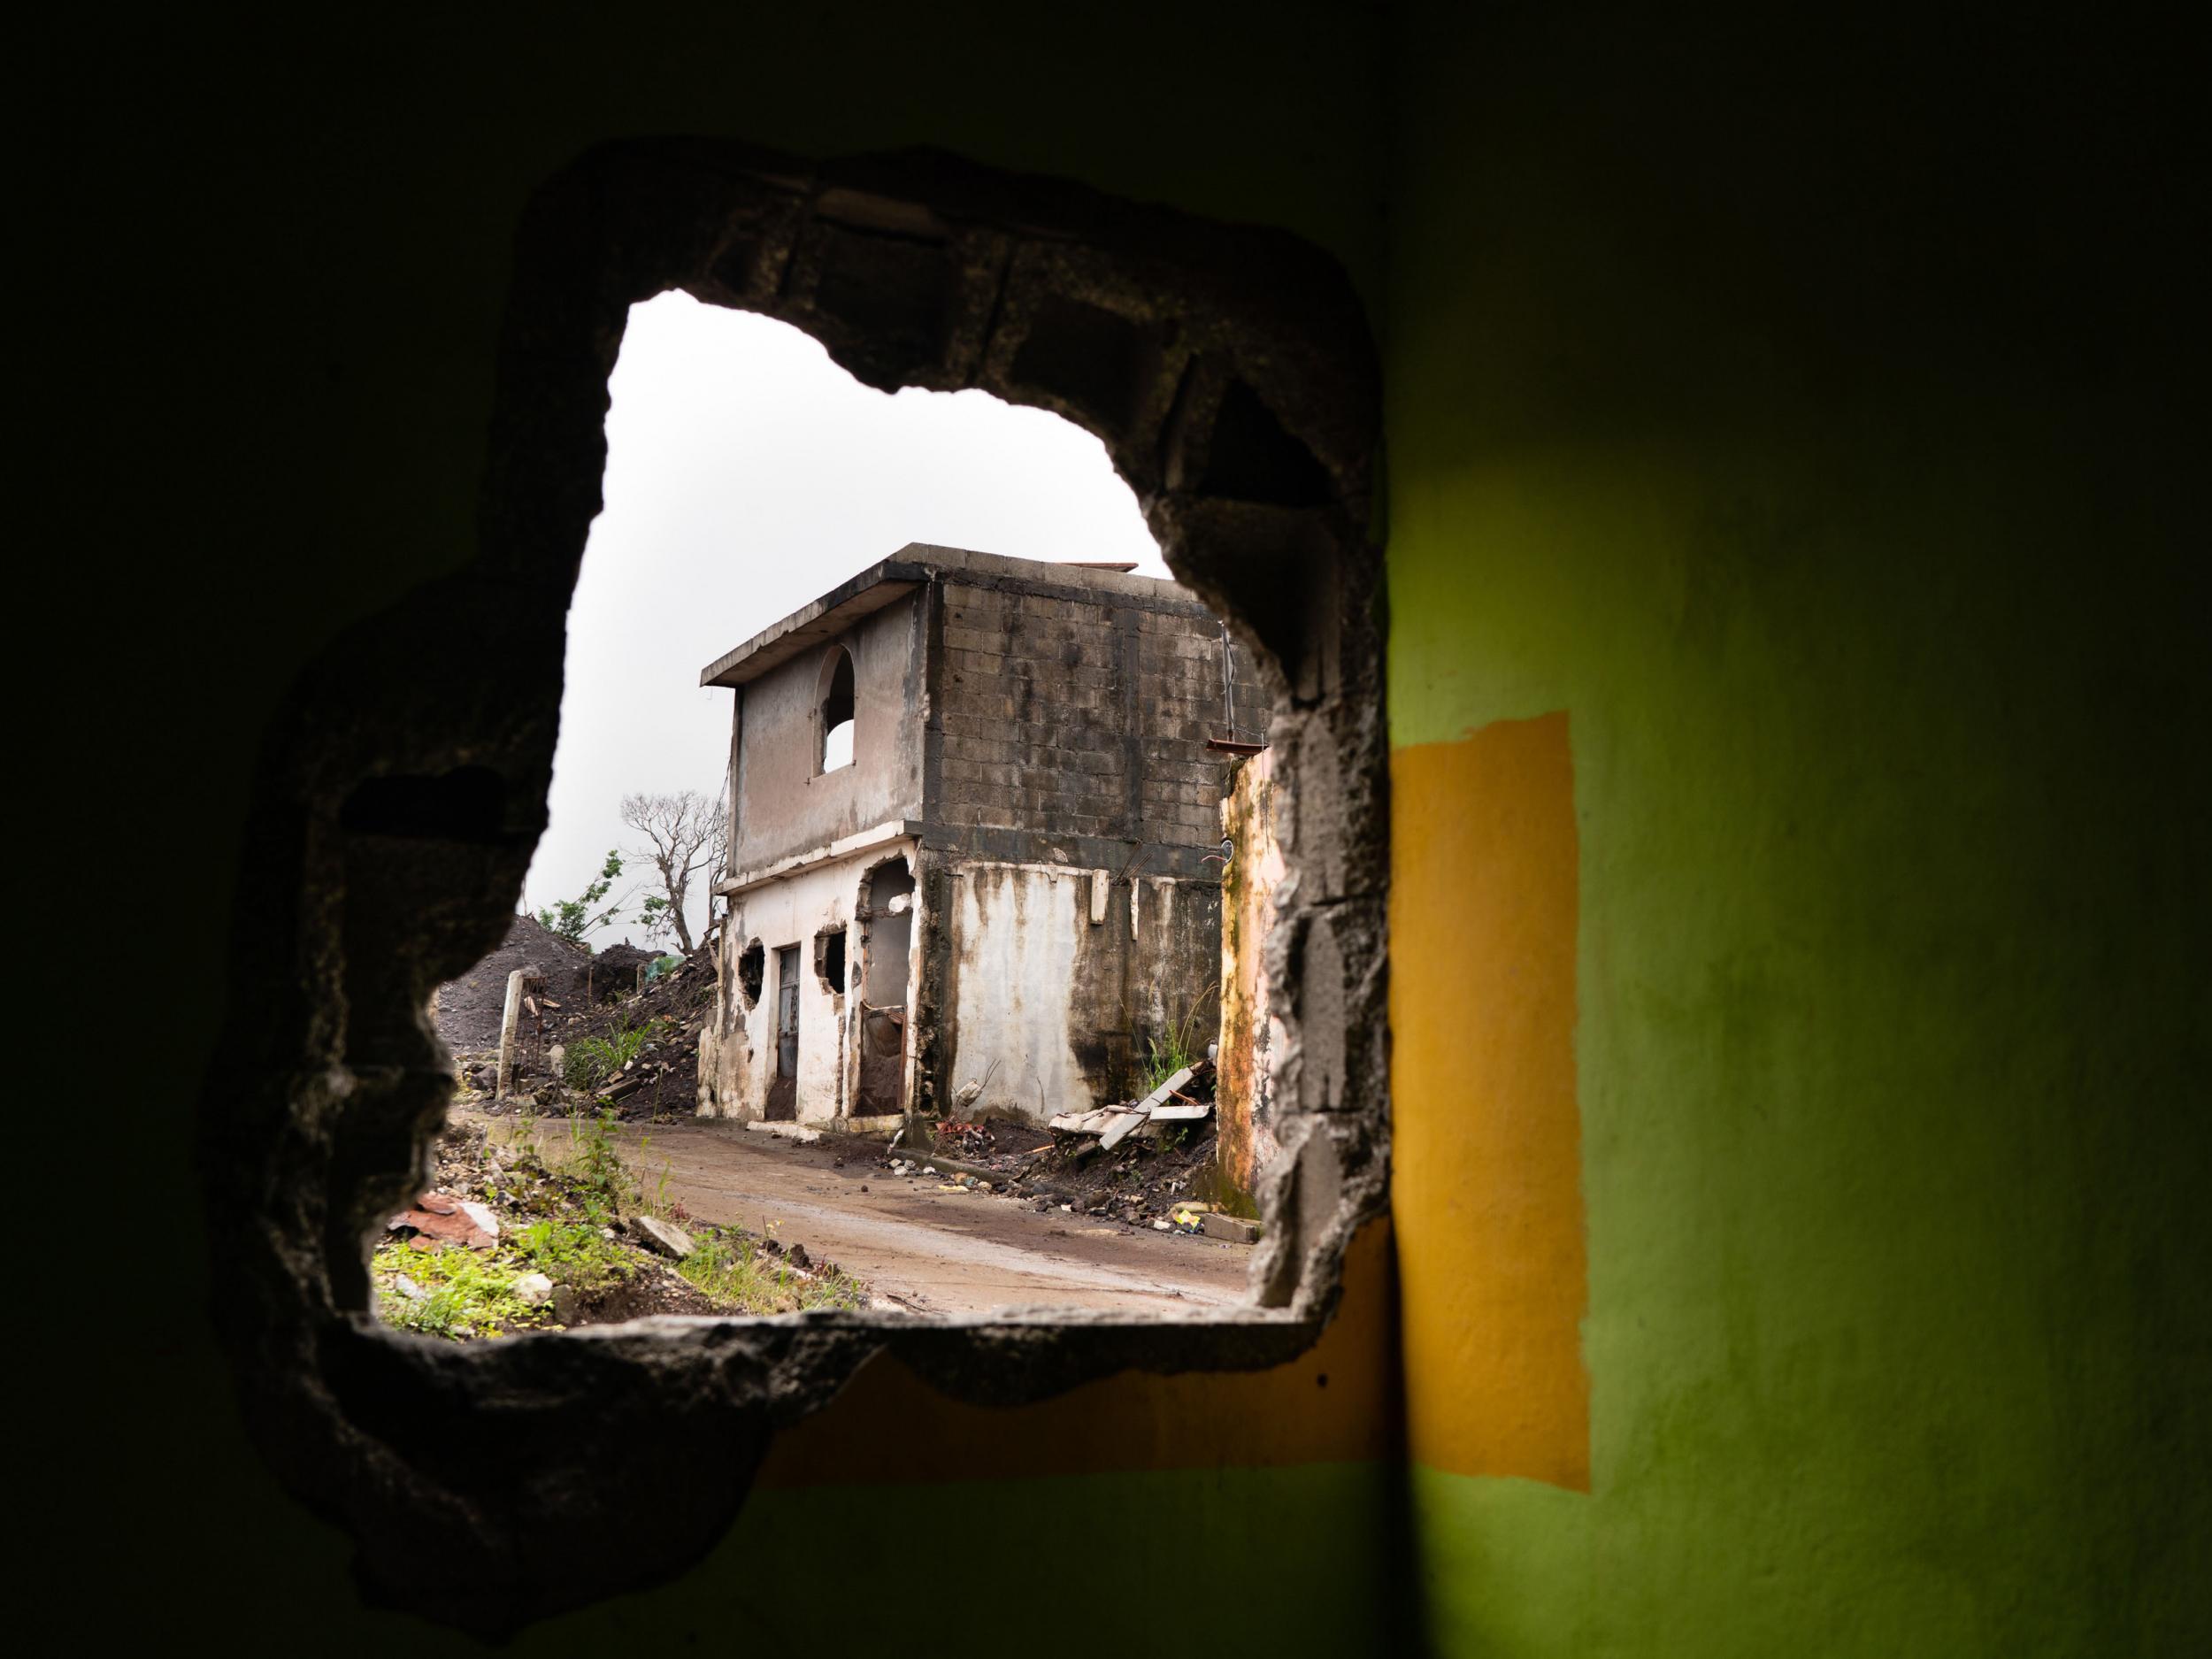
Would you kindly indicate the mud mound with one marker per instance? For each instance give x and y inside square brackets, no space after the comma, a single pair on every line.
[614,972]
[469,1008]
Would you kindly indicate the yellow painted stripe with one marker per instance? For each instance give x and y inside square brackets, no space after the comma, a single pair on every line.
[1336,1403]
[1487,1187]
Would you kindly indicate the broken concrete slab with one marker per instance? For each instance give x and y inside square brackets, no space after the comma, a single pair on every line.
[664,1236]
[1235,1229]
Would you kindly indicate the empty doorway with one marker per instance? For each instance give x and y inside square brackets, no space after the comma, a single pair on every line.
[783,1094]
[886,911]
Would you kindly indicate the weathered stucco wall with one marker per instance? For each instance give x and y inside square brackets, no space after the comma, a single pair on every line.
[1052,1012]
[1250,1031]
[784,806]
[737,1062]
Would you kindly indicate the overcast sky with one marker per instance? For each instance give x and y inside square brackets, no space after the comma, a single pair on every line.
[746,474]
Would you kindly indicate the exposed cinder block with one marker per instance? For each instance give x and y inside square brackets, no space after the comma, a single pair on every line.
[1235,1229]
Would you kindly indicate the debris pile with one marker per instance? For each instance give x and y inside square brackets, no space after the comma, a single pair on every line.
[556,1232]
[587,1034]
[1188,1096]
[469,1008]
[653,1035]
[1147,1162]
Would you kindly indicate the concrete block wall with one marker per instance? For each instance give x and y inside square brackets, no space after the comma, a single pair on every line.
[1085,715]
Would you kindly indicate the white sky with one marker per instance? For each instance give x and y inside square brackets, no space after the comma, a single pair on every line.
[747,474]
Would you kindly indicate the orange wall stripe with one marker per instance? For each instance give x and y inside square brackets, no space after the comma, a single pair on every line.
[890,1427]
[1486,1167]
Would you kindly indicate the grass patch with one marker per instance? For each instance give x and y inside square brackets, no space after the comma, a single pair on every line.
[574,1253]
[734,1269]
[591,1061]
[465,1292]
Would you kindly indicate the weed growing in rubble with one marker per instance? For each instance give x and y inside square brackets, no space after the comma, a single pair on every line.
[464,1293]
[603,1186]
[1170,1051]
[575,1254]
[732,1268]
[591,1061]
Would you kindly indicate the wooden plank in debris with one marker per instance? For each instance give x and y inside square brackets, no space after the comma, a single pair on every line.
[1117,1131]
[1159,1096]
[1182,1112]
[1087,1123]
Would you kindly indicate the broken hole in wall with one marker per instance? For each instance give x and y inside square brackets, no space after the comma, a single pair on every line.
[914,270]
[836,715]
[829,960]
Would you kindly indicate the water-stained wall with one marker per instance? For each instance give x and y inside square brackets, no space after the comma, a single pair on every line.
[1059,980]
[1077,704]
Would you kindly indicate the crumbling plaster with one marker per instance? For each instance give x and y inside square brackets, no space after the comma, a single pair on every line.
[1230,375]
[792,910]
[1250,1031]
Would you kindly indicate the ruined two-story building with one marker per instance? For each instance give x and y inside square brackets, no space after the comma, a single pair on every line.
[975,840]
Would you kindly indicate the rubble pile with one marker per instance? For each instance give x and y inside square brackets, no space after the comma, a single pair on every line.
[469,1009]
[651,1034]
[540,1227]
[662,1079]
[1147,1164]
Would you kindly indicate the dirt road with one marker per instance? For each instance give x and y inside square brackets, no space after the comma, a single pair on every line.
[933,1252]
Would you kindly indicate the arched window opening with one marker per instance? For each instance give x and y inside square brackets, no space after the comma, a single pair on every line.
[837,711]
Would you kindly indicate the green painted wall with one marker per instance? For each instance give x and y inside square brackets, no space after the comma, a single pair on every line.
[1790,411]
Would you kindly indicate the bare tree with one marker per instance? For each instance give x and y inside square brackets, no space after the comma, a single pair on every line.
[684,833]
